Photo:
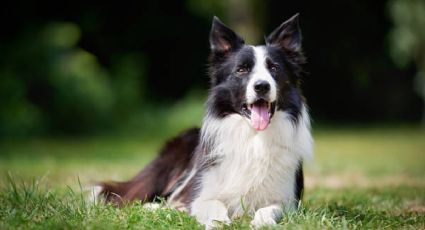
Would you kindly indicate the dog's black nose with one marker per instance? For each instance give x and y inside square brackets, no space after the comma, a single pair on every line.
[261,87]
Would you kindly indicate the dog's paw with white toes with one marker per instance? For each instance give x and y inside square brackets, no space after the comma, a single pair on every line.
[211,213]
[216,221]
[262,220]
[211,224]
[266,217]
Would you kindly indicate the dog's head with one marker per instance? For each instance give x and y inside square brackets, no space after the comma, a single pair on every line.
[255,81]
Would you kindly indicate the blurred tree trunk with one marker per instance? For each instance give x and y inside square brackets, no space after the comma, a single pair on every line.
[247,18]
[408,39]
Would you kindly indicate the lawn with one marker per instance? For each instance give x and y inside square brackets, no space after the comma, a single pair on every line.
[361,177]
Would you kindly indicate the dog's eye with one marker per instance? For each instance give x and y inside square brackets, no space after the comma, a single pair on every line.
[273,67]
[242,69]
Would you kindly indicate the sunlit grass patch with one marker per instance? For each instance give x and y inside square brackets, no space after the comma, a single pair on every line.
[363,178]
[30,206]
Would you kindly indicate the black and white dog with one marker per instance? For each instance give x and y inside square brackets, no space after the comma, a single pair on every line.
[248,155]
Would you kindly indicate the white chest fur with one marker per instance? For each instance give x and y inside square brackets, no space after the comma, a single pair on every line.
[256,169]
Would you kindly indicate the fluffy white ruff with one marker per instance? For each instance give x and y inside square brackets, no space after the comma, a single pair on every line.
[256,169]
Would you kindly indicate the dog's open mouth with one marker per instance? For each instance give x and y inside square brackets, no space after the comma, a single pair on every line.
[260,112]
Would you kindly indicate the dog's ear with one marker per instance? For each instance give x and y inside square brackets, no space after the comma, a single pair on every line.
[223,39]
[287,36]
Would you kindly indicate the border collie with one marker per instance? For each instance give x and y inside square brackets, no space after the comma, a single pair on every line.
[248,155]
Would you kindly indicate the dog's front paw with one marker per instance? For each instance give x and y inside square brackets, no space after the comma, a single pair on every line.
[262,220]
[211,213]
[264,217]
[216,222]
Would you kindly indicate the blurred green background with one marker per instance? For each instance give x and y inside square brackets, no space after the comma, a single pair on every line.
[87,68]
[90,90]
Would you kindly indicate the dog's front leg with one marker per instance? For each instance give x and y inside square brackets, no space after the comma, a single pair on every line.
[211,213]
[267,216]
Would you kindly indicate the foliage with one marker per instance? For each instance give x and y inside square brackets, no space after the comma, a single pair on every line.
[52,84]
[89,69]
[408,37]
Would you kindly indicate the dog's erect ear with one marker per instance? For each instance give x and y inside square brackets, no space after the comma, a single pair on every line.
[287,36]
[223,39]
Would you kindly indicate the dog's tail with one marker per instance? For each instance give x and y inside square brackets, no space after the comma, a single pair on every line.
[159,177]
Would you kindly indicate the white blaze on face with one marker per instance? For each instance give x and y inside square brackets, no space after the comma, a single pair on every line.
[260,72]
[260,109]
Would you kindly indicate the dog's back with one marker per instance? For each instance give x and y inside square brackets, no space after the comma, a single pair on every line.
[160,177]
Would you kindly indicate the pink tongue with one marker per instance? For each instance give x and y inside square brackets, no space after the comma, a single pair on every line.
[260,116]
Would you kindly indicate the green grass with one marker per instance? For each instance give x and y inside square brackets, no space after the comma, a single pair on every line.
[363,178]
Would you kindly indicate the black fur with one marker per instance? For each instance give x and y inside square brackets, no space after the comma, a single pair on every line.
[283,54]
[230,65]
[299,182]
